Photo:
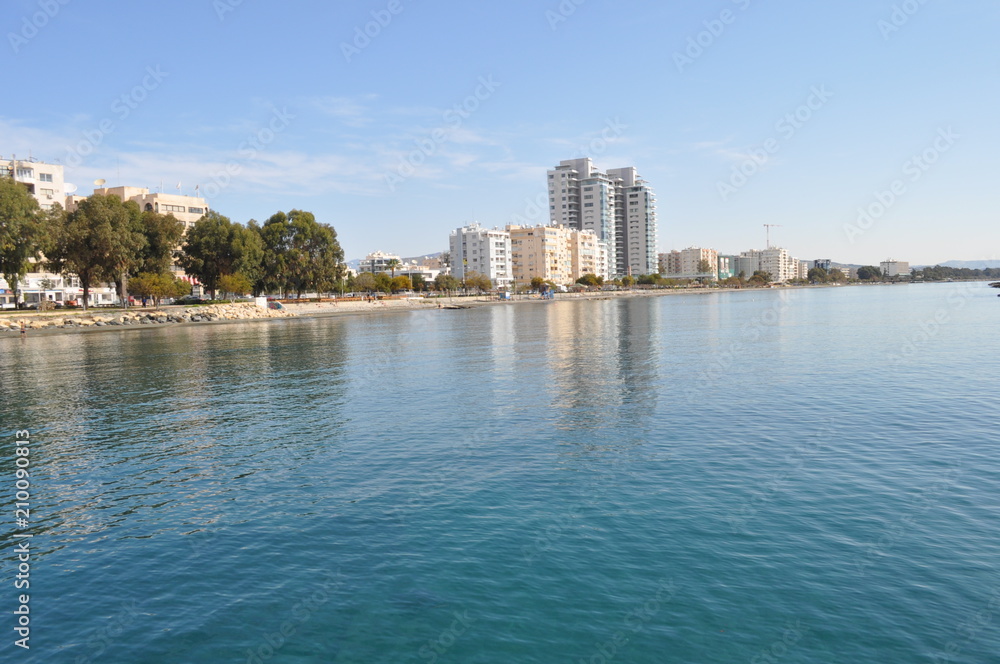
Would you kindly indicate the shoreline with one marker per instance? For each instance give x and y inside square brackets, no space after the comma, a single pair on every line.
[314,310]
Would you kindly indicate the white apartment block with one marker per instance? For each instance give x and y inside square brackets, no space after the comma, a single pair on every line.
[893,268]
[635,227]
[617,206]
[378,261]
[482,250]
[43,181]
[775,261]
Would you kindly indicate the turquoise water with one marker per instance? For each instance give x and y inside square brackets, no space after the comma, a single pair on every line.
[801,476]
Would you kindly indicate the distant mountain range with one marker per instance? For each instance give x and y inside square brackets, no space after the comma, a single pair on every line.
[972,265]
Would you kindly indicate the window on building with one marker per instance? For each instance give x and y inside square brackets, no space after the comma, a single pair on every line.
[45,177]
[196,210]
[25,173]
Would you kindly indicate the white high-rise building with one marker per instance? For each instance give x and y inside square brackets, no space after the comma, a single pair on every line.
[617,206]
[635,226]
[484,251]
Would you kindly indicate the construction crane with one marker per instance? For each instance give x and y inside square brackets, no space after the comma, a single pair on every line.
[769,227]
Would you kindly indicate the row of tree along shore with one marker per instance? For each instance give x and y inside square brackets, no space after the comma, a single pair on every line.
[106,240]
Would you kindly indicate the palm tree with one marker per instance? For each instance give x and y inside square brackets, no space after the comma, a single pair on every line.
[393,264]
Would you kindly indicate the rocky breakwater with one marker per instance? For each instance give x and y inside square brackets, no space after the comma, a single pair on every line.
[207,314]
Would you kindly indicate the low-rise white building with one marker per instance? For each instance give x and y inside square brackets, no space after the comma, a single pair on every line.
[378,261]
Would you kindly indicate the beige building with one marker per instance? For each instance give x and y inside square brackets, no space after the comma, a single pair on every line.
[188,209]
[45,182]
[557,253]
[685,264]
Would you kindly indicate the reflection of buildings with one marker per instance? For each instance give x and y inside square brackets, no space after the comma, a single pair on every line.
[603,361]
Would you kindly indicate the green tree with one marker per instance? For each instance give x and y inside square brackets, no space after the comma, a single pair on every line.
[446,283]
[21,233]
[364,282]
[869,273]
[300,254]
[393,264]
[235,284]
[215,246]
[383,282]
[628,281]
[760,278]
[158,285]
[99,241]
[818,275]
[400,283]
[477,281]
[836,275]
[591,280]
[163,233]
[706,270]
[419,282]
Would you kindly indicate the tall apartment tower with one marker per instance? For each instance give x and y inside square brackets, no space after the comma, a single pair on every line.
[635,223]
[617,206]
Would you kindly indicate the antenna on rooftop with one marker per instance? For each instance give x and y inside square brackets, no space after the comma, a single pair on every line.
[769,227]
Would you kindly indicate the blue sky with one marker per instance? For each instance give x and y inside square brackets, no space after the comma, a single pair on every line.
[739,113]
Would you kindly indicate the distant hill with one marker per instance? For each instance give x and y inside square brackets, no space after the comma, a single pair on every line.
[972,265]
